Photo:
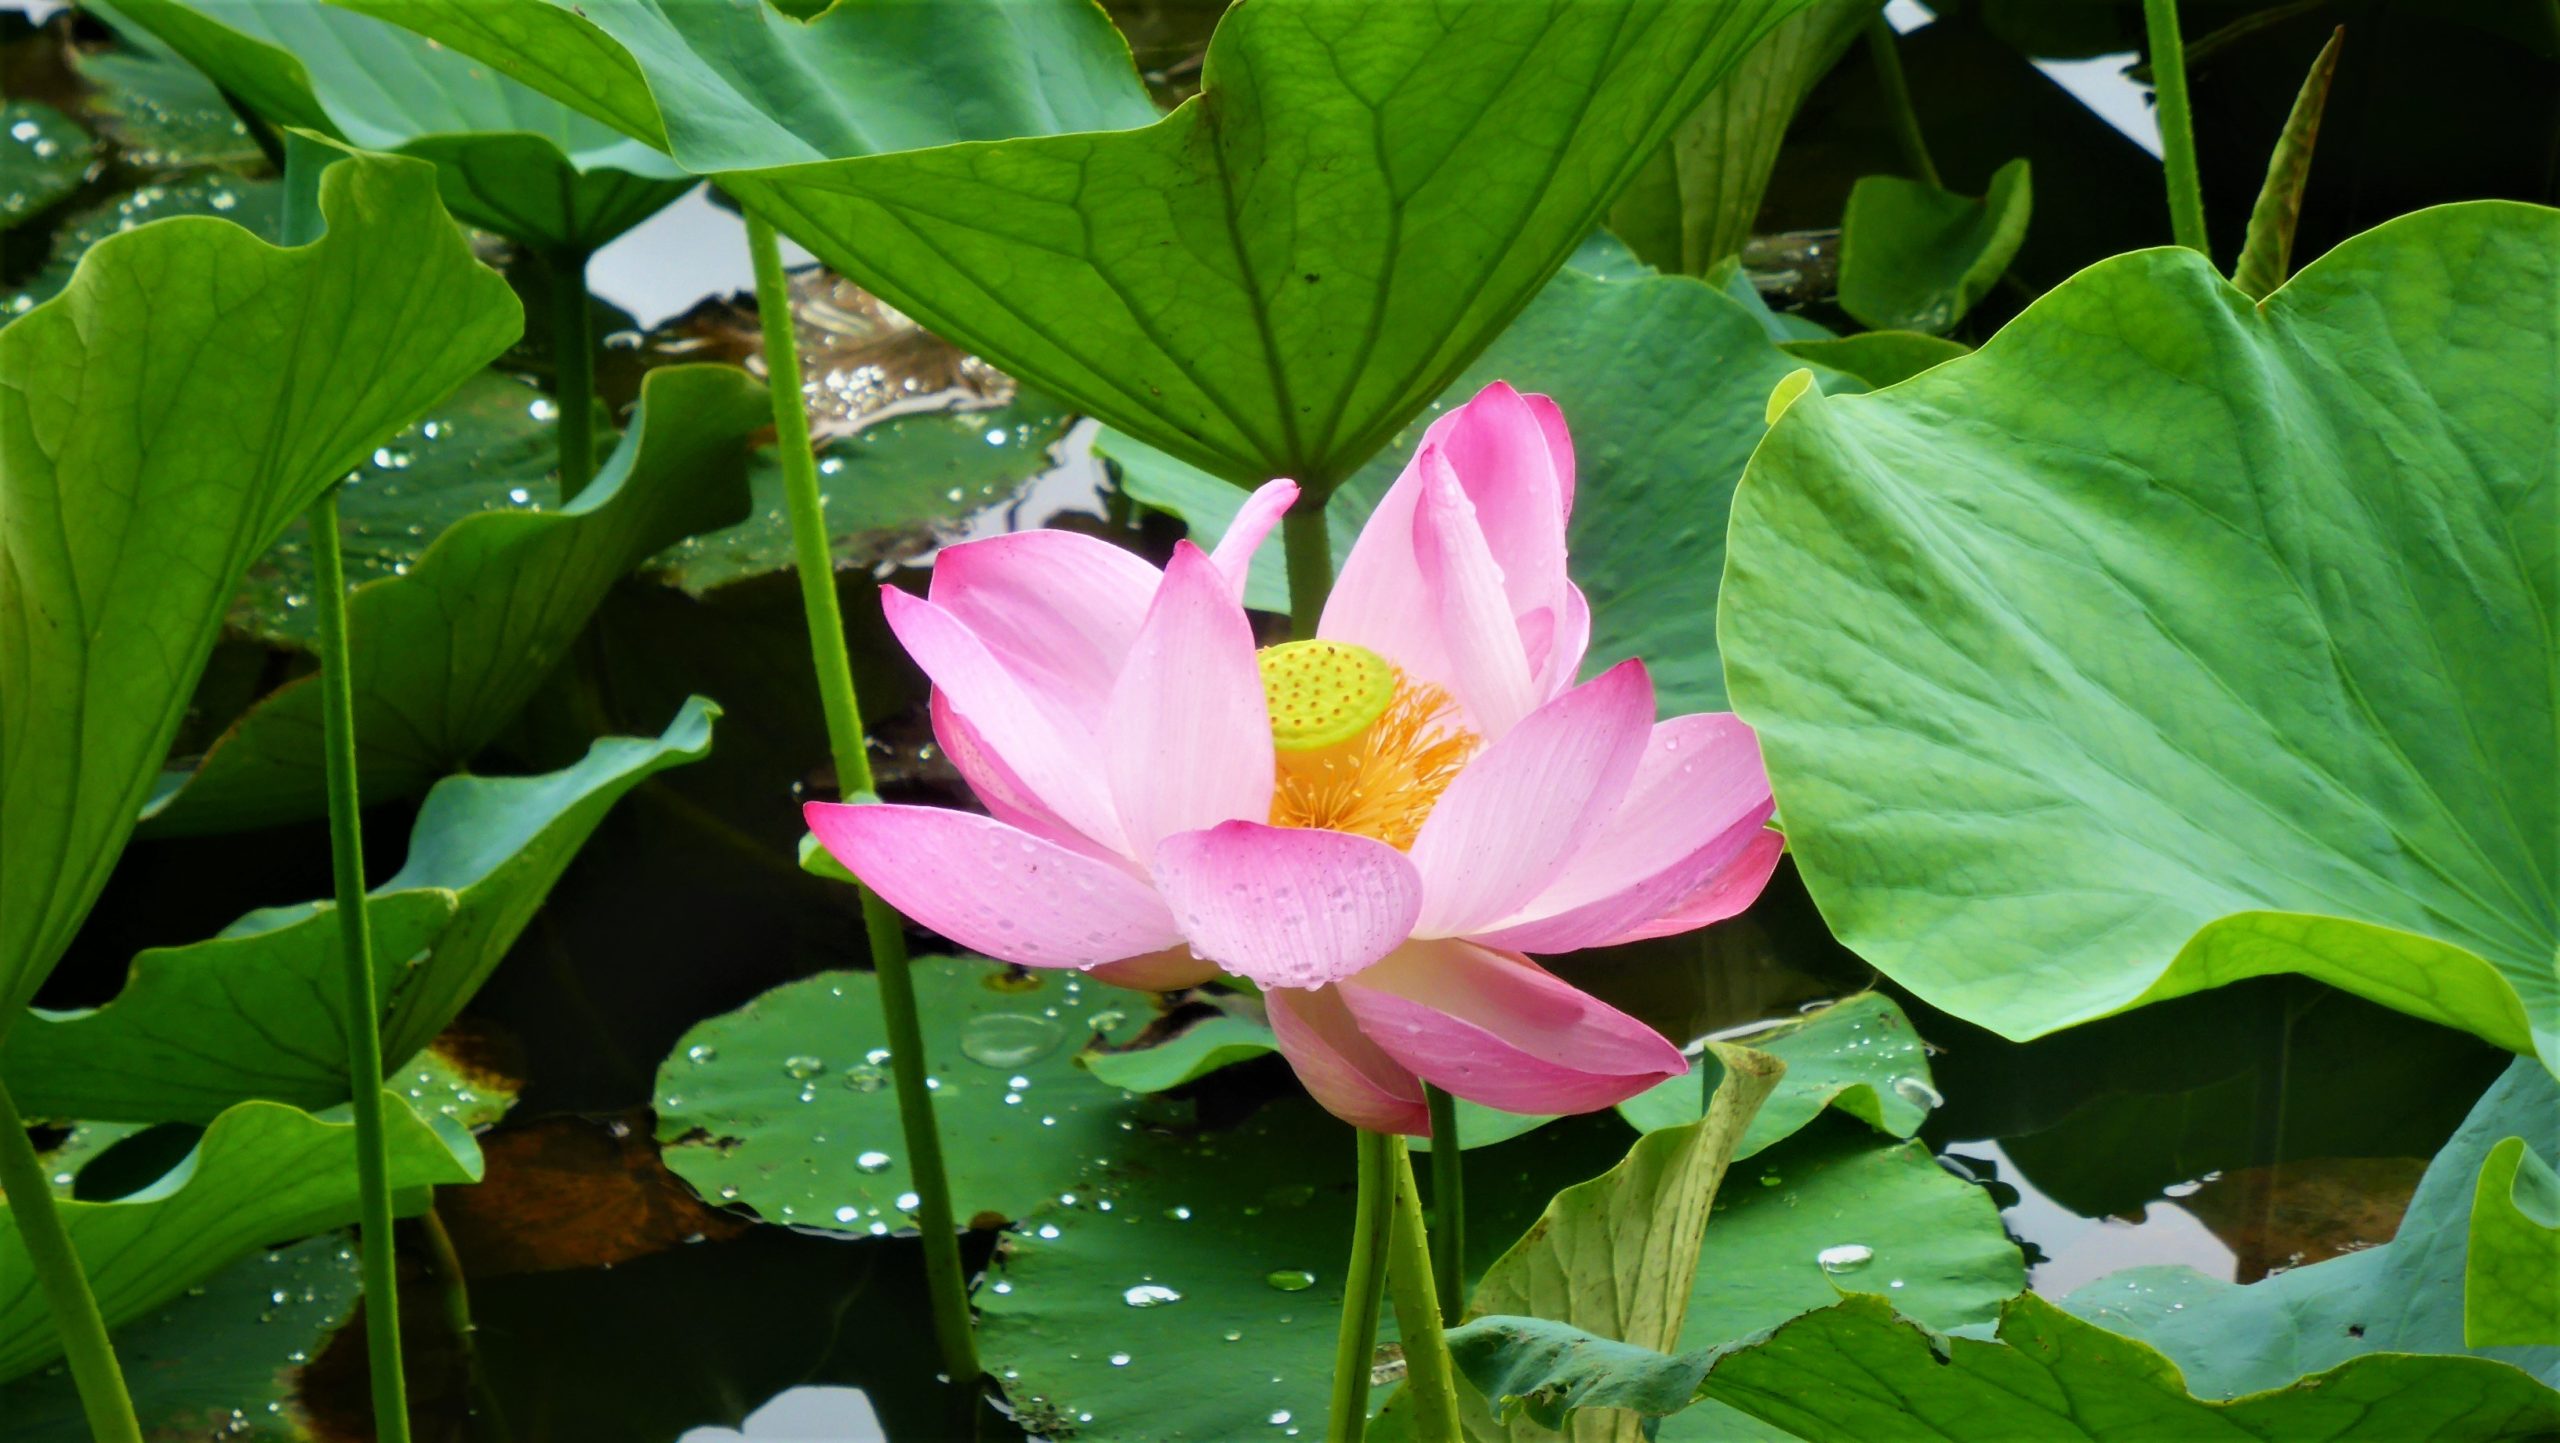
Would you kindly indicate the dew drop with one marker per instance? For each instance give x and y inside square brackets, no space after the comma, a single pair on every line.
[800,1067]
[1009,1040]
[847,1213]
[907,1202]
[1150,1295]
[1845,1258]
[864,1079]
[873,1162]
[1119,1360]
[1918,1093]
[1290,1280]
[700,1053]
[543,409]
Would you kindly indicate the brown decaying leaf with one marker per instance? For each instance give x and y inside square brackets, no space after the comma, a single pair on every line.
[566,1192]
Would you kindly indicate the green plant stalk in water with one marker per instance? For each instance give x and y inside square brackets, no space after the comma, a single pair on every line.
[305,158]
[815,563]
[1897,97]
[2177,124]
[76,1320]
[1386,1245]
[1448,1205]
[573,377]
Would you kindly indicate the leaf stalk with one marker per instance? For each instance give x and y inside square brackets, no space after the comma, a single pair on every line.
[76,1320]
[2177,125]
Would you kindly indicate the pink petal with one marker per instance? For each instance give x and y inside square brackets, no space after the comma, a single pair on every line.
[1495,1028]
[1503,453]
[1630,909]
[1560,664]
[1733,887]
[994,784]
[1559,448]
[1170,970]
[1261,512]
[1350,1075]
[1032,732]
[1698,798]
[1378,599]
[1529,803]
[1187,736]
[1287,906]
[1488,669]
[1059,609]
[994,888]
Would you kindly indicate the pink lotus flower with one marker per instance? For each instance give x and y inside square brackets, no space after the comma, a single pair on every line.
[1373,826]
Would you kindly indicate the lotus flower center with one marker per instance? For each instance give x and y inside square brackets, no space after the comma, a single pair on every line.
[1359,747]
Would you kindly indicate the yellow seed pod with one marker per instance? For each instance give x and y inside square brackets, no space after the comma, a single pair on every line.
[1323,693]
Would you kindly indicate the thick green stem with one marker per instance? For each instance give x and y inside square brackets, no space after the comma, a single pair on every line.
[362,1022]
[1428,1378]
[66,1288]
[2177,125]
[573,377]
[1310,557]
[1448,1205]
[815,562]
[1897,98]
[1364,1281]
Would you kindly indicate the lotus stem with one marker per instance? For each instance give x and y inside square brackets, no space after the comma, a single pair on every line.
[2177,125]
[1364,1283]
[1310,557]
[1887,59]
[573,377]
[361,1021]
[1428,1378]
[76,1320]
[1448,1206]
[814,560]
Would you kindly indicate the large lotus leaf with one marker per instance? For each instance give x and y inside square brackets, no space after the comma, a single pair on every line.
[160,422]
[1853,1372]
[1616,1255]
[725,87]
[262,1171]
[785,1105]
[1663,380]
[507,158]
[223,1357]
[1916,257]
[2406,1296]
[445,656]
[254,205]
[1276,277]
[2170,639]
[1693,203]
[257,1011]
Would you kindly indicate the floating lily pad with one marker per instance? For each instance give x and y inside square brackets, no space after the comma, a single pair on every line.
[263,1171]
[255,205]
[161,112]
[786,1105]
[445,655]
[1186,1056]
[222,1360]
[2096,791]
[256,1012]
[1858,1055]
[257,357]
[44,156]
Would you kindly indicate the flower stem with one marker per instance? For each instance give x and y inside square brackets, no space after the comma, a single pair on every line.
[1429,1380]
[362,1021]
[573,377]
[1897,98]
[76,1320]
[2177,124]
[815,562]
[1448,1205]
[1364,1281]
[1310,557]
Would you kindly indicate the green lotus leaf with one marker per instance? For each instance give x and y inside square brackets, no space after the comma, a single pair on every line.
[262,1171]
[1858,1055]
[726,87]
[1854,1372]
[1186,1056]
[2507,1292]
[2407,1296]
[256,206]
[507,158]
[2171,639]
[226,1350]
[1693,203]
[447,654]
[44,156]
[257,1011]
[1879,358]
[1915,257]
[160,422]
